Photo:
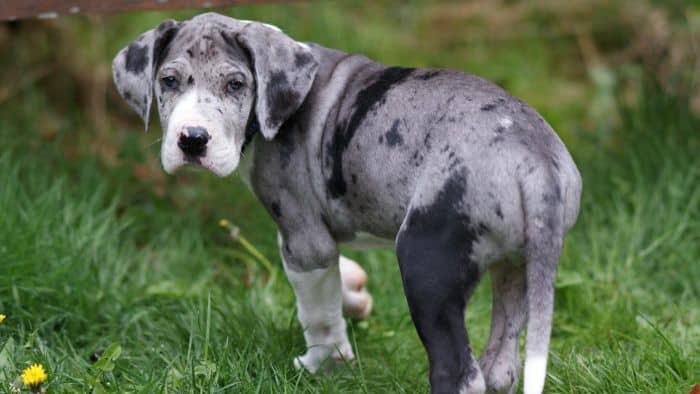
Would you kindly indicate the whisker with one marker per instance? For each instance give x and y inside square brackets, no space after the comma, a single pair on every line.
[154,142]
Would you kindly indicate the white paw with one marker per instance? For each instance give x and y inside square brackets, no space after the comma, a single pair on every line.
[328,356]
[474,383]
[357,302]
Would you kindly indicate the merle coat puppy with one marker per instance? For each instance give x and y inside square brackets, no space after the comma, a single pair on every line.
[462,177]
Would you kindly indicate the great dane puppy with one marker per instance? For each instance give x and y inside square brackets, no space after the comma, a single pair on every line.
[463,177]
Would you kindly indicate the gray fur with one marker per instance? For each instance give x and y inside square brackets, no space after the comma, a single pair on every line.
[352,146]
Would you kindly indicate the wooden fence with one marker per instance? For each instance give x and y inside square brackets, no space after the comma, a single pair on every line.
[45,9]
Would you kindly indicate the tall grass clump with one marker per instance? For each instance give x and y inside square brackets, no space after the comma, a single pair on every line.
[628,291]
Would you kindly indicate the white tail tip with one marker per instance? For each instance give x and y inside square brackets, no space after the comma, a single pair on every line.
[534,375]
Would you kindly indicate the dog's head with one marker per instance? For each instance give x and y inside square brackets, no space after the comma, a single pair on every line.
[214,78]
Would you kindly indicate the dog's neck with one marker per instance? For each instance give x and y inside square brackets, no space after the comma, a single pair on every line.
[245,165]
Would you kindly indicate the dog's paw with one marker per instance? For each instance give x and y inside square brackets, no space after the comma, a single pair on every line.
[325,357]
[502,377]
[357,302]
[473,380]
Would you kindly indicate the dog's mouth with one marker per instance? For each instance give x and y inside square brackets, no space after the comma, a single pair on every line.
[196,163]
[193,160]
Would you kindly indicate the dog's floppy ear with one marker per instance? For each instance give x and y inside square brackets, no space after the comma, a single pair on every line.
[134,66]
[284,72]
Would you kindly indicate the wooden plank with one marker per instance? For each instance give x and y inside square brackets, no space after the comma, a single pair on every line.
[46,9]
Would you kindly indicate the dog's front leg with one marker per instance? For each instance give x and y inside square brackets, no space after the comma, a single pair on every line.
[320,310]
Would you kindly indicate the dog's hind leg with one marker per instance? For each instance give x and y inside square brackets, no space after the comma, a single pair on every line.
[500,361]
[438,277]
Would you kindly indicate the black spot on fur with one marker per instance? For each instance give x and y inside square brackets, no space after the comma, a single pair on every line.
[555,163]
[393,137]
[454,162]
[251,129]
[496,140]
[434,256]
[416,159]
[446,210]
[483,228]
[498,210]
[500,129]
[426,140]
[275,208]
[136,58]
[302,58]
[281,98]
[127,96]
[428,75]
[381,139]
[369,97]
[354,178]
[488,107]
[190,80]
[166,25]
[552,197]
[285,139]
[162,43]
[491,106]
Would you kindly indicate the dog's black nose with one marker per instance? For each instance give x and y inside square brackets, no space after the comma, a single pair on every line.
[194,141]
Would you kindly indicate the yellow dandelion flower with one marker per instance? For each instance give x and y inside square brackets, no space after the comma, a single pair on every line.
[224,223]
[2,317]
[34,375]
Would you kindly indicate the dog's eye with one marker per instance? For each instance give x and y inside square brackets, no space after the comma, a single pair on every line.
[170,82]
[234,85]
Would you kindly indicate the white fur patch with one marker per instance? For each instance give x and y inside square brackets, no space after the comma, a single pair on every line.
[273,27]
[474,386]
[506,122]
[222,154]
[170,155]
[535,374]
[319,308]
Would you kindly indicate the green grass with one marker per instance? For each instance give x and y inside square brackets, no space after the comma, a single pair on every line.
[104,253]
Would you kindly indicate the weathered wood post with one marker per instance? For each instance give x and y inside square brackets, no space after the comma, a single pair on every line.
[46,9]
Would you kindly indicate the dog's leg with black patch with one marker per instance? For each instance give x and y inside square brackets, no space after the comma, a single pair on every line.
[500,362]
[318,293]
[433,249]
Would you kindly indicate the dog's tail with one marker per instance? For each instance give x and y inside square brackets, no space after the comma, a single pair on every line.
[544,217]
